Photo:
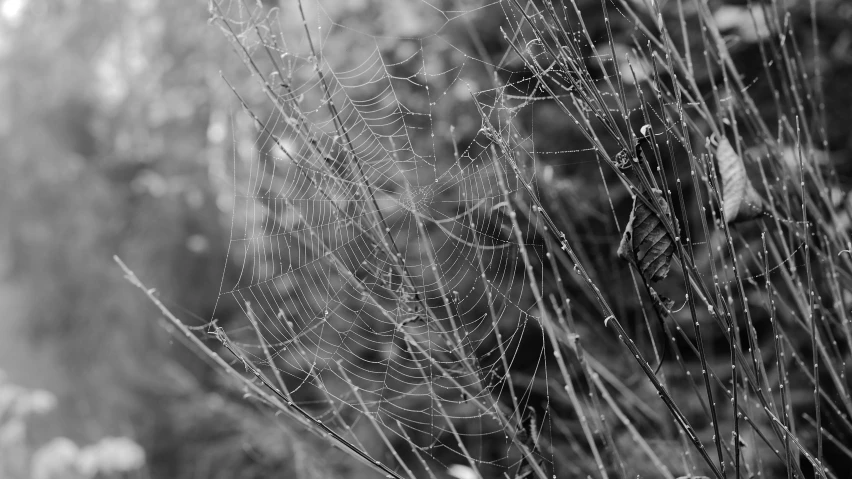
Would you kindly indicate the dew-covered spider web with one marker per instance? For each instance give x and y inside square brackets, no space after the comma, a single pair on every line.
[397,280]
[374,240]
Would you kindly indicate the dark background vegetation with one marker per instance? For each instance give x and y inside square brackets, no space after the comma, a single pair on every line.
[117,136]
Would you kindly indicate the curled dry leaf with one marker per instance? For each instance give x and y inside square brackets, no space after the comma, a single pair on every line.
[740,200]
[528,435]
[645,242]
[662,304]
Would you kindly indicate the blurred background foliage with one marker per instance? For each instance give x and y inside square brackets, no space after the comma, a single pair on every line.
[113,138]
[118,136]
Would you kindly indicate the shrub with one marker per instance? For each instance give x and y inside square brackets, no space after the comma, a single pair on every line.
[560,243]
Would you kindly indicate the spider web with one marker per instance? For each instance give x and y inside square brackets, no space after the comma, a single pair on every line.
[386,262]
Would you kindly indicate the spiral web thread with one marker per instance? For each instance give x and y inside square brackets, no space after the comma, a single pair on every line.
[385,268]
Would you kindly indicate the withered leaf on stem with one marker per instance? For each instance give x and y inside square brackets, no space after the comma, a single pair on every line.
[528,435]
[740,200]
[662,304]
[645,242]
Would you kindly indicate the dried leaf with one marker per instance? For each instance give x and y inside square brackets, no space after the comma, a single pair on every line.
[645,242]
[662,304]
[741,201]
[528,435]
